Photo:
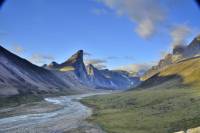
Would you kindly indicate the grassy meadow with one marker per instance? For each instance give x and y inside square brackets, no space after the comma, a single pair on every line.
[170,102]
[147,111]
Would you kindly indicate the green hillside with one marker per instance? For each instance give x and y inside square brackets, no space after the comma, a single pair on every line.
[170,102]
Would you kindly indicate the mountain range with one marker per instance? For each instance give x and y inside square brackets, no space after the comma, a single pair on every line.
[93,77]
[19,76]
[179,53]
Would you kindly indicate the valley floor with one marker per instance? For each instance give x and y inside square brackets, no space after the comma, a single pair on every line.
[63,114]
[147,111]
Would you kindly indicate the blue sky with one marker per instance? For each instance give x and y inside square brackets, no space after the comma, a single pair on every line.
[115,32]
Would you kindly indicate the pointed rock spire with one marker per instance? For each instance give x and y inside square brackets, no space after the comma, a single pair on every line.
[74,59]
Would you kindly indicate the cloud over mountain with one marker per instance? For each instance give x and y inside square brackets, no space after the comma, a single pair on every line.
[98,63]
[41,59]
[134,68]
[179,34]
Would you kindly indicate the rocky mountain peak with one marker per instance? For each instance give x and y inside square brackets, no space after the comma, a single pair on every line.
[76,61]
[76,58]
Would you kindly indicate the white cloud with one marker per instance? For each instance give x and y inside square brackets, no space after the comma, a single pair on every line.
[147,14]
[179,34]
[40,59]
[135,68]
[87,54]
[98,63]
[100,66]
[145,28]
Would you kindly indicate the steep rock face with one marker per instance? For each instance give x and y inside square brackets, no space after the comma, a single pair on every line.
[76,61]
[179,49]
[194,48]
[19,76]
[120,79]
[166,61]
[97,79]
[90,76]
[73,64]
[111,79]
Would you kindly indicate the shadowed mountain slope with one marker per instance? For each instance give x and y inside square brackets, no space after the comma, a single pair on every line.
[18,76]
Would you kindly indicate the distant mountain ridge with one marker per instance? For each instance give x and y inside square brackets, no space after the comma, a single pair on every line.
[179,53]
[91,76]
[19,76]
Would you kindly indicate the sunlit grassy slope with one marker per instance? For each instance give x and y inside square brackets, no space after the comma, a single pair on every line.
[157,109]
[182,74]
[67,68]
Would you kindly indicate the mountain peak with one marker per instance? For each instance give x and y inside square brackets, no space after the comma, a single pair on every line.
[77,57]
[76,62]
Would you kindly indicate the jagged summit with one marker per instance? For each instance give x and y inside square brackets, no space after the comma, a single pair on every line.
[74,63]
[91,76]
[74,59]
